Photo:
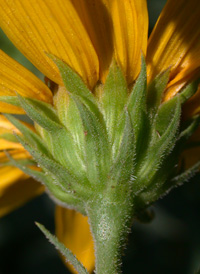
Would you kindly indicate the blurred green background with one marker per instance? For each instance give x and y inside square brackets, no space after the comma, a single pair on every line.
[169,244]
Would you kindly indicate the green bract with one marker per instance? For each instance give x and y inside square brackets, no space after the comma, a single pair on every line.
[107,156]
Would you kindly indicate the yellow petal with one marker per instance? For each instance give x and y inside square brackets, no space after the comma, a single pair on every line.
[4,144]
[130,26]
[15,153]
[96,19]
[14,78]
[7,108]
[16,189]
[175,43]
[37,27]
[73,230]
[6,126]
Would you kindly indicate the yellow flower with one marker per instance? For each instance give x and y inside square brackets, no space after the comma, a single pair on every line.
[87,35]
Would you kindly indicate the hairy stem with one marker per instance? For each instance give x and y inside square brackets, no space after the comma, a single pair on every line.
[110,224]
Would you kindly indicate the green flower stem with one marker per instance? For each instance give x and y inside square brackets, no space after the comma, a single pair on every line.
[110,222]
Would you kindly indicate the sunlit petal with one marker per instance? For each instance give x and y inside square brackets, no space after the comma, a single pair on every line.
[175,43]
[96,19]
[130,27]
[14,78]
[37,27]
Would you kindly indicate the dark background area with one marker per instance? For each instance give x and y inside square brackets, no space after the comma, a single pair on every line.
[169,244]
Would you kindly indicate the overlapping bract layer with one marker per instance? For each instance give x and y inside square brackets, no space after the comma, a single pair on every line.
[95,154]
[87,35]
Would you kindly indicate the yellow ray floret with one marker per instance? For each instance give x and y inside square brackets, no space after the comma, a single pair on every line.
[14,78]
[97,21]
[37,27]
[175,43]
[73,230]
[130,27]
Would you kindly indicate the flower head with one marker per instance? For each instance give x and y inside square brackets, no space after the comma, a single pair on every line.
[88,35]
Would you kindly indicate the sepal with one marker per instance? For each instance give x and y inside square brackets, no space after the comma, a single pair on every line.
[137,108]
[136,104]
[12,100]
[167,122]
[53,188]
[189,91]
[72,81]
[61,176]
[123,167]
[114,98]
[41,113]
[97,148]
[69,256]
[188,128]
[155,92]
[8,137]
[28,134]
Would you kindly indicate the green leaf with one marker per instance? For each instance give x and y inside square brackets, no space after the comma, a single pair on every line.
[152,194]
[73,82]
[114,98]
[165,115]
[60,141]
[189,91]
[97,147]
[70,257]
[69,115]
[28,134]
[189,128]
[41,113]
[76,87]
[155,92]
[66,150]
[13,100]
[137,108]
[163,144]
[9,137]
[55,190]
[167,124]
[37,175]
[23,162]
[137,100]
[66,180]
[123,167]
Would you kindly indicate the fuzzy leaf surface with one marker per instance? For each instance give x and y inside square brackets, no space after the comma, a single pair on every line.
[123,168]
[155,92]
[115,96]
[96,143]
[13,100]
[41,113]
[161,145]
[70,257]
[28,134]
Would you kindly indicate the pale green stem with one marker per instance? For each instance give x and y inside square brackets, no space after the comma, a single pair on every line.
[110,224]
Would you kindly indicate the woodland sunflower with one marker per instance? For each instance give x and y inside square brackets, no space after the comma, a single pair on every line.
[87,35]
